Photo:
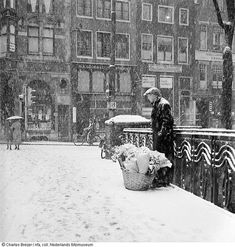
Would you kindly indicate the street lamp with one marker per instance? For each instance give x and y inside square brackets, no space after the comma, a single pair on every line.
[111,85]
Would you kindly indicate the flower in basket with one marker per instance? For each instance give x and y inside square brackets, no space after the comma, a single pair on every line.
[140,159]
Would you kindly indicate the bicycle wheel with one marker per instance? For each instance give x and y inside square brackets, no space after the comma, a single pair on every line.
[103,153]
[89,139]
[75,140]
[79,140]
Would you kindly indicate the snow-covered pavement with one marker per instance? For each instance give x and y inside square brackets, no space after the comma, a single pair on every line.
[68,193]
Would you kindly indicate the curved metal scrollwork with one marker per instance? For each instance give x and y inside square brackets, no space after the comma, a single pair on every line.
[204,164]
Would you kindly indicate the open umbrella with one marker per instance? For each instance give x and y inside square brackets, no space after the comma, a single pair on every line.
[14,118]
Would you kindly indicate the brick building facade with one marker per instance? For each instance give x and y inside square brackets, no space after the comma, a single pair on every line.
[209,64]
[165,51]
[35,56]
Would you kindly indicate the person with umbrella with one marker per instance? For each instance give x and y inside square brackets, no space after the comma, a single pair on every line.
[16,131]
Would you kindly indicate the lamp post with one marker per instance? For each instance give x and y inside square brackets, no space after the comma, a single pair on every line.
[111,84]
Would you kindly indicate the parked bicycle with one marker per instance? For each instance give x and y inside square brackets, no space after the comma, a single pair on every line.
[89,137]
[106,151]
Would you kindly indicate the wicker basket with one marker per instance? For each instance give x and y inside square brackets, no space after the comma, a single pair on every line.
[135,180]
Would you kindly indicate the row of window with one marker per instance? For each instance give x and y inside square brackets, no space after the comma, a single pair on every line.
[217,76]
[35,41]
[122,81]
[165,46]
[103,11]
[43,6]
[218,38]
[165,14]
[103,40]
[9,4]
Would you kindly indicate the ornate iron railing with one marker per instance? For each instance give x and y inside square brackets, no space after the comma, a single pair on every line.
[204,161]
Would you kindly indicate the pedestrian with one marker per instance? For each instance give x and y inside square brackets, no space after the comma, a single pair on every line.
[16,128]
[8,133]
[162,127]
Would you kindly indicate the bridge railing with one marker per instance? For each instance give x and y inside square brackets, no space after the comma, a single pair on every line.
[204,161]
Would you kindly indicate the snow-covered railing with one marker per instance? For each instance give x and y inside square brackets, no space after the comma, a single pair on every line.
[204,161]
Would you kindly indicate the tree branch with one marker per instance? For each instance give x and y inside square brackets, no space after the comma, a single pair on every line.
[231,10]
[220,21]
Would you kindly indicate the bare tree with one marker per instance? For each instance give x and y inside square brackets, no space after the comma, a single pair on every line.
[228,27]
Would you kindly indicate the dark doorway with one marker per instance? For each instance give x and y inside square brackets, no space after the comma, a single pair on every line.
[63,122]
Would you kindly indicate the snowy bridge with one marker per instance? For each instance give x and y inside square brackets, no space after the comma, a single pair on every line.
[67,193]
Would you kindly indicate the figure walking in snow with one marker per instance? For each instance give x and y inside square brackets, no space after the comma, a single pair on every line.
[162,126]
[8,133]
[16,128]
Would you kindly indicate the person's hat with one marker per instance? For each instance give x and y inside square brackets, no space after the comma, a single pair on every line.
[154,91]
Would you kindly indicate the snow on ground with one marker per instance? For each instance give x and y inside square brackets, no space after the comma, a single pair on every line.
[68,193]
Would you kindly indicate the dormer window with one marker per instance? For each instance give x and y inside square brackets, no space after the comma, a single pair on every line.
[7,39]
[47,6]
[33,6]
[13,4]
[3,40]
[9,4]
[12,47]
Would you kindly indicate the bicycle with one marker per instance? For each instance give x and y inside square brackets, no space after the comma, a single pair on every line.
[89,138]
[106,152]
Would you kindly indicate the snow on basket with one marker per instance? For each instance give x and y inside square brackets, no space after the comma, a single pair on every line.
[121,119]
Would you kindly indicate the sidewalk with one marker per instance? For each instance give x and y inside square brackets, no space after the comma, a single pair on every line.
[68,193]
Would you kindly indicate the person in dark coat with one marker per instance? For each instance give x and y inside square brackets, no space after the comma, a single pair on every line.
[162,127]
[8,133]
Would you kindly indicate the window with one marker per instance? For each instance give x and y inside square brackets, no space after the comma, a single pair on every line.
[103,44]
[84,43]
[218,38]
[125,82]
[33,6]
[83,81]
[47,6]
[4,3]
[202,76]
[233,45]
[104,9]
[217,76]
[165,14]
[233,83]
[147,47]
[203,37]
[122,46]
[12,46]
[84,7]
[165,49]
[122,10]
[183,50]
[98,81]
[221,5]
[146,12]
[48,41]
[184,17]
[3,40]
[33,39]
[185,83]
[13,4]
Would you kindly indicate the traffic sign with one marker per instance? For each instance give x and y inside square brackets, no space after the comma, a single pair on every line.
[111,105]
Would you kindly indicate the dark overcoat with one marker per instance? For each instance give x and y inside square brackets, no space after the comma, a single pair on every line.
[162,126]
